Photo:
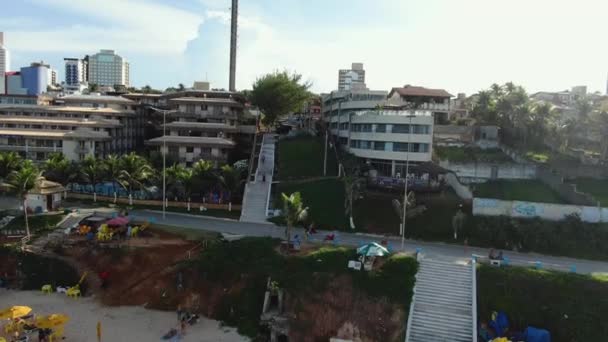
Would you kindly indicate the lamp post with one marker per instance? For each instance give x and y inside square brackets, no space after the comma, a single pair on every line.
[407,169]
[164,153]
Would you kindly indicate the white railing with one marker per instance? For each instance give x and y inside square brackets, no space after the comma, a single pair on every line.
[474,299]
[410,314]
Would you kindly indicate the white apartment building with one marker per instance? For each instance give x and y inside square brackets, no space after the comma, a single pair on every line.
[5,62]
[75,72]
[413,97]
[352,79]
[76,126]
[106,68]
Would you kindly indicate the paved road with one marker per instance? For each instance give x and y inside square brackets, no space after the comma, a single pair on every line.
[430,249]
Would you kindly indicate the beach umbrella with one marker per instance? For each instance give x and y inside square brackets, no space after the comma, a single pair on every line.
[372,249]
[15,312]
[52,321]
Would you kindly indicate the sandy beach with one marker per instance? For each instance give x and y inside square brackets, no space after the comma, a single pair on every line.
[118,323]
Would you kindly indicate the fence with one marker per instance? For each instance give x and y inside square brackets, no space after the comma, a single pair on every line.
[175,204]
[481,172]
[546,211]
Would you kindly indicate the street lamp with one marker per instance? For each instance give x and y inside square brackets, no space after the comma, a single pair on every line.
[407,170]
[164,153]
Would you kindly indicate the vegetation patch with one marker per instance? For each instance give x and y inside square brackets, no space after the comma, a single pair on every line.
[518,190]
[37,223]
[325,200]
[303,157]
[571,306]
[252,260]
[598,188]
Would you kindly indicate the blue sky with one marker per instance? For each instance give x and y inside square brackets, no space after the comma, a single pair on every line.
[459,45]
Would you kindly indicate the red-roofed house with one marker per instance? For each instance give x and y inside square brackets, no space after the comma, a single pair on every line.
[435,100]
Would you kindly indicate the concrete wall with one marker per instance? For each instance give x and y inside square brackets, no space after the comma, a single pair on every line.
[567,191]
[480,172]
[546,211]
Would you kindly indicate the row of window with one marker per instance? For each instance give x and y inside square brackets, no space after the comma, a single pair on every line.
[390,146]
[382,128]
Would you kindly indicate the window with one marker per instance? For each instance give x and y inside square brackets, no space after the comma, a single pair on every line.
[399,147]
[401,129]
[189,149]
[204,107]
[421,129]
[362,127]
[381,128]
[379,145]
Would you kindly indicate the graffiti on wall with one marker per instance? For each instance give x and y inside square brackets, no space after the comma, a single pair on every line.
[527,209]
[486,203]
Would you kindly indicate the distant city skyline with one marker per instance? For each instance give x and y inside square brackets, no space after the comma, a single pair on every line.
[460,46]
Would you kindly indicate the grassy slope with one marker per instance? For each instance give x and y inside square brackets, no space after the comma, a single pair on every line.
[325,199]
[597,188]
[302,157]
[572,307]
[467,155]
[255,259]
[37,223]
[520,190]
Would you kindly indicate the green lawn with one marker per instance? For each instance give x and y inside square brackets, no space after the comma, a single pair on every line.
[468,154]
[325,200]
[517,190]
[302,277]
[37,223]
[597,188]
[572,307]
[302,157]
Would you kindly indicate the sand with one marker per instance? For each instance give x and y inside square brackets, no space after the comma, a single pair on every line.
[127,323]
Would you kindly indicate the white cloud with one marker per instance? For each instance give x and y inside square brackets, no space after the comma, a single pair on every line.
[126,25]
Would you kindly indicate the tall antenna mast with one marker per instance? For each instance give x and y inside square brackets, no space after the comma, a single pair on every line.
[233,40]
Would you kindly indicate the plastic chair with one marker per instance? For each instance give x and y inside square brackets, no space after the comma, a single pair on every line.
[73,292]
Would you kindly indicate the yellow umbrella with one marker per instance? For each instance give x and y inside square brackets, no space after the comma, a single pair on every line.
[15,312]
[52,321]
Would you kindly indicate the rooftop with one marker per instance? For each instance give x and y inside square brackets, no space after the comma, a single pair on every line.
[409,90]
[452,129]
[95,98]
[75,109]
[389,112]
[47,133]
[200,125]
[180,140]
[59,121]
[226,101]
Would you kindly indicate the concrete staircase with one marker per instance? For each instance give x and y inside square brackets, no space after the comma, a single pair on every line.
[257,192]
[444,305]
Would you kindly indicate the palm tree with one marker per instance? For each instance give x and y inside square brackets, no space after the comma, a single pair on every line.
[92,171]
[601,125]
[294,212]
[188,182]
[134,172]
[352,187]
[112,168]
[59,169]
[9,162]
[173,176]
[21,182]
[540,115]
[583,107]
[231,179]
[204,176]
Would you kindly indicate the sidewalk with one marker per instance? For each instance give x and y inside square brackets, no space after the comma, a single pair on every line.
[257,192]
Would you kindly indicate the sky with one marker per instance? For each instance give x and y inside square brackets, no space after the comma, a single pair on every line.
[457,45]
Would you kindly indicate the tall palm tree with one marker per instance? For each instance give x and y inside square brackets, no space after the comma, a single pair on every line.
[135,171]
[112,169]
[9,162]
[188,182]
[231,179]
[21,182]
[59,169]
[173,177]
[92,171]
[204,175]
[294,212]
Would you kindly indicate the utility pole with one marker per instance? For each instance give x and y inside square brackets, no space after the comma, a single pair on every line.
[407,171]
[325,158]
[233,42]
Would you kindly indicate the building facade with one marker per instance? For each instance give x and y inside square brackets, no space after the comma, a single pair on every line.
[352,79]
[106,68]
[5,63]
[75,72]
[77,126]
[200,125]
[413,97]
[35,78]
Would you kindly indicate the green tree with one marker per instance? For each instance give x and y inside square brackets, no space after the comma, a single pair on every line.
[181,87]
[9,162]
[93,87]
[601,125]
[92,171]
[188,182]
[134,172]
[540,116]
[21,182]
[279,93]
[112,169]
[294,212]
[584,108]
[205,177]
[231,179]
[173,177]
[59,169]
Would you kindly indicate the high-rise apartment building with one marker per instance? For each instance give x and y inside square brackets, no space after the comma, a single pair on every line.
[75,71]
[4,62]
[353,78]
[106,68]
